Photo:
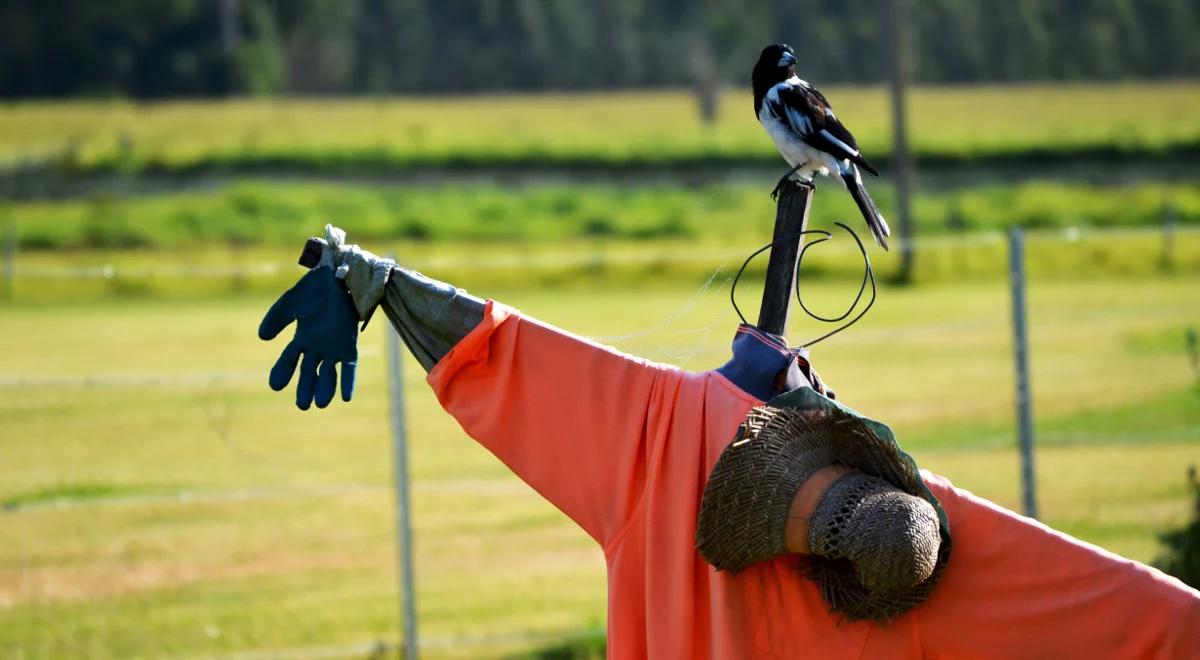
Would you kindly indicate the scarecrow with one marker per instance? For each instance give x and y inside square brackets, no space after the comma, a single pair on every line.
[743,512]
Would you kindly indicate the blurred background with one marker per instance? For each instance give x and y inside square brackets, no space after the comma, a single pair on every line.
[596,164]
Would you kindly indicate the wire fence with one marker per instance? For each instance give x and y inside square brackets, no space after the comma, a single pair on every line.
[1168,236]
[202,481]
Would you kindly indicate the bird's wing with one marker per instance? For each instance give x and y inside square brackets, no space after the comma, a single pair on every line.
[809,115]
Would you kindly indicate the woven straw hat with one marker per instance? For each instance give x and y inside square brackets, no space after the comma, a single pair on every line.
[744,508]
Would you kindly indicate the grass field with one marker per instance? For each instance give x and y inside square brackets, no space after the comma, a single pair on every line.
[273,213]
[157,499]
[1029,121]
[162,501]
[209,269]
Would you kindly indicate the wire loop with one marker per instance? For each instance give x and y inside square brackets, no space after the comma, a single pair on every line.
[868,277]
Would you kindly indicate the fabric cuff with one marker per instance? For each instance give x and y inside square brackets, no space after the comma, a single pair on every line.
[472,348]
[431,316]
[364,273]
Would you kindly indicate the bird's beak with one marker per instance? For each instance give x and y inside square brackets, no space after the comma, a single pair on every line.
[787,60]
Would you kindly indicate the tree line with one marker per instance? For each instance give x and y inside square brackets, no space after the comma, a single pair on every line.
[156,48]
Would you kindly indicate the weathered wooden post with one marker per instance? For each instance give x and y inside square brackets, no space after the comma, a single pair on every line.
[899,77]
[10,254]
[1170,218]
[791,218]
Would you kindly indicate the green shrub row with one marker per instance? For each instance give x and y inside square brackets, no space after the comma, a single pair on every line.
[269,213]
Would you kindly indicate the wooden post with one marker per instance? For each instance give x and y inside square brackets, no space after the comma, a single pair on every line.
[791,218]
[227,25]
[227,21]
[900,73]
[1169,220]
[10,257]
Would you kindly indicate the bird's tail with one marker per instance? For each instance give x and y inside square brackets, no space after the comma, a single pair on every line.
[866,205]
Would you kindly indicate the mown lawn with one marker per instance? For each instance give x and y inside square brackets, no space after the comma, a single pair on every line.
[968,122]
[162,501]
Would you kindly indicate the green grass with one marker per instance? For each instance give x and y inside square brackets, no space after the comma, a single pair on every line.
[68,493]
[156,499]
[208,270]
[262,213]
[168,504]
[957,123]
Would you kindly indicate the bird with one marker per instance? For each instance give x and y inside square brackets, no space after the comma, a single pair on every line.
[809,136]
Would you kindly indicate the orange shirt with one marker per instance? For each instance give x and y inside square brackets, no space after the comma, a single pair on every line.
[624,446]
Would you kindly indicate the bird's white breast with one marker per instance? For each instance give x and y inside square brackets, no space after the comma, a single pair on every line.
[791,145]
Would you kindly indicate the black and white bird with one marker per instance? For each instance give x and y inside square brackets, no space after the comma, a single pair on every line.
[808,135]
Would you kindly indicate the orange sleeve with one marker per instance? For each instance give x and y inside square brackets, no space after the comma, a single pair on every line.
[571,418]
[1017,588]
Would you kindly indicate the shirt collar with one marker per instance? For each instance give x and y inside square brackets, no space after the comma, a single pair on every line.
[758,358]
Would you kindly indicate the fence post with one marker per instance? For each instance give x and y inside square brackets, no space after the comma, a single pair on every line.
[403,508]
[899,78]
[1016,273]
[1169,218]
[10,256]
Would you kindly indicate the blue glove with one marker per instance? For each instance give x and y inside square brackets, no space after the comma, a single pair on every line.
[326,333]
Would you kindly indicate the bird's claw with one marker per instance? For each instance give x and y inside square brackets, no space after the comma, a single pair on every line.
[787,179]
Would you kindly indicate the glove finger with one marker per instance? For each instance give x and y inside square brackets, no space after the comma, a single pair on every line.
[278,317]
[348,374]
[308,381]
[285,366]
[326,383]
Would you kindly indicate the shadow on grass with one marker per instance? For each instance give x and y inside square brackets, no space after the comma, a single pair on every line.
[72,493]
[590,646]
